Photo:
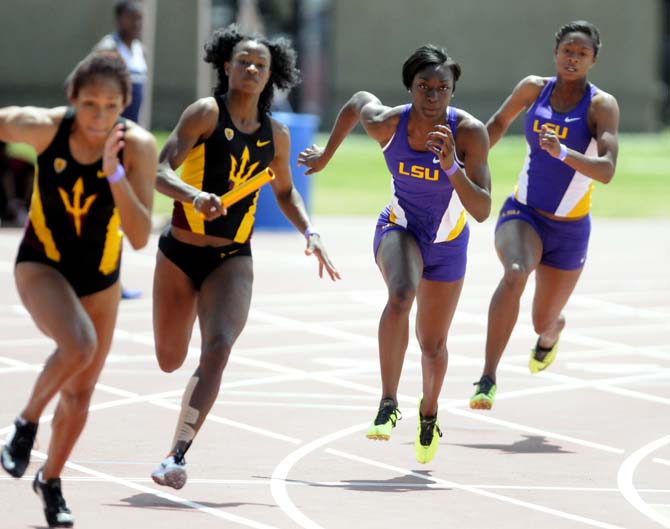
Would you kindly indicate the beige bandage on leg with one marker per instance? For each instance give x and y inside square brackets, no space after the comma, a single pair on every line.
[188,416]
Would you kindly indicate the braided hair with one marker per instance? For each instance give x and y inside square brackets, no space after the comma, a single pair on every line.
[284,73]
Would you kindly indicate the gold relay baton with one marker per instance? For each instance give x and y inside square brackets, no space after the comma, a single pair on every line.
[252,184]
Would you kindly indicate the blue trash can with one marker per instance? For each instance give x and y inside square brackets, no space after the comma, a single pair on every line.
[302,128]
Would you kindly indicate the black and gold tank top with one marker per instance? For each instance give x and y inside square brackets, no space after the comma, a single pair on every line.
[73,218]
[225,160]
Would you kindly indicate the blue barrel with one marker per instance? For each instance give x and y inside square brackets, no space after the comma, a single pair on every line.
[302,128]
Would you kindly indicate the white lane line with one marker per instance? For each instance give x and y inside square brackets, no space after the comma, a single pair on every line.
[160,494]
[523,428]
[625,480]
[280,475]
[343,484]
[476,490]
[617,309]
[661,461]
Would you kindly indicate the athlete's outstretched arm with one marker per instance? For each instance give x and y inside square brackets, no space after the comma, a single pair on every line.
[196,124]
[32,125]
[364,107]
[290,201]
[604,113]
[521,98]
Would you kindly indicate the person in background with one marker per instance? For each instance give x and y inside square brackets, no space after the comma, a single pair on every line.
[16,179]
[126,42]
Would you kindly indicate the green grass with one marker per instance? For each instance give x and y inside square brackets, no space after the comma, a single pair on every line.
[357,182]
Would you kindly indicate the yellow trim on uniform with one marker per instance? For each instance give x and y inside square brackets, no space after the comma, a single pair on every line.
[584,205]
[460,224]
[244,231]
[193,173]
[112,249]
[392,216]
[39,221]
[516,192]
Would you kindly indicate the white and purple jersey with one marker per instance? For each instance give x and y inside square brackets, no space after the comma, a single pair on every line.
[423,200]
[546,183]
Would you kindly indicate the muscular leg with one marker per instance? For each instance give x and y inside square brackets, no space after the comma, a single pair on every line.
[436,304]
[58,312]
[519,248]
[400,262]
[75,396]
[553,288]
[174,309]
[223,307]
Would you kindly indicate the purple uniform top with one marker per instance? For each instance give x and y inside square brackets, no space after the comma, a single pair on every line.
[546,183]
[423,200]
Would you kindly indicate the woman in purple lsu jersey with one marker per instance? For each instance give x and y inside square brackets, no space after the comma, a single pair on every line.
[571,130]
[437,156]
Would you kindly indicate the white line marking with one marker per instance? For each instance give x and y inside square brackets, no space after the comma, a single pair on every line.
[475,490]
[160,494]
[625,480]
[516,426]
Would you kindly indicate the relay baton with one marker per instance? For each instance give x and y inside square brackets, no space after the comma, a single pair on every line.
[252,184]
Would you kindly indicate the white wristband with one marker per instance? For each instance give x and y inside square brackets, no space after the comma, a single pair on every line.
[564,152]
[195,198]
[311,231]
[116,175]
[454,167]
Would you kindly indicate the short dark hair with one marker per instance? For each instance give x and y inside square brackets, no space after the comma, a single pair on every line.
[284,73]
[428,55]
[123,6]
[580,26]
[100,64]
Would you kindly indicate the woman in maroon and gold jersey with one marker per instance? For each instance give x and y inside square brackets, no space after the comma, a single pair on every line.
[204,265]
[94,179]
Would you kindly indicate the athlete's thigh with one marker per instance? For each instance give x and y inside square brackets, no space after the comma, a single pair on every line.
[436,305]
[399,259]
[224,300]
[51,301]
[517,242]
[174,306]
[553,288]
[102,307]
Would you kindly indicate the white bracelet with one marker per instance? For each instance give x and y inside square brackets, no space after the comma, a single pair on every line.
[116,175]
[195,198]
[311,231]
[454,167]
[564,152]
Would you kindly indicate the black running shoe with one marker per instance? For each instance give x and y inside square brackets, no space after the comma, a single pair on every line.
[16,452]
[55,508]
[386,419]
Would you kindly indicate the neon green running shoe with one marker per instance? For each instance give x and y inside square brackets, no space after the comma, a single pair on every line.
[541,358]
[427,440]
[387,417]
[485,394]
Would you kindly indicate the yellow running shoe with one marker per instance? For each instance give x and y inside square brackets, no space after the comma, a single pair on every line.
[541,358]
[387,417]
[485,394]
[426,442]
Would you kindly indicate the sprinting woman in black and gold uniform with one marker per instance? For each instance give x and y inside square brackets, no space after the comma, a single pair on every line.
[94,178]
[204,265]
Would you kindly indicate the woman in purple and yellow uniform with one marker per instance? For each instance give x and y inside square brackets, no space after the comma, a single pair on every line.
[571,129]
[437,157]
[94,178]
[204,265]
